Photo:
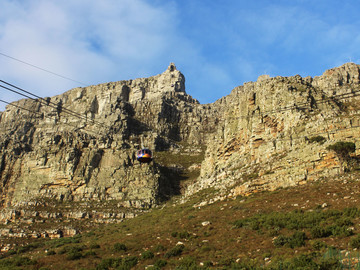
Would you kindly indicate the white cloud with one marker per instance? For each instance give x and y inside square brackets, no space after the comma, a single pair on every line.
[89,41]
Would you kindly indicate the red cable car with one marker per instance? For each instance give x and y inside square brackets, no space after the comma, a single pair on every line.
[144,155]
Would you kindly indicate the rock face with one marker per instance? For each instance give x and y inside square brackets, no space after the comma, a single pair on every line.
[275,132]
[80,146]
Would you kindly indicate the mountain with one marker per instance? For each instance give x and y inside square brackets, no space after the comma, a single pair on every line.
[72,157]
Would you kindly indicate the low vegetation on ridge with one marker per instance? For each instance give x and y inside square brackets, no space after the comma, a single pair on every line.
[315,226]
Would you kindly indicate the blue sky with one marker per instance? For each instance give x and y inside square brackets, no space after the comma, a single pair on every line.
[217,45]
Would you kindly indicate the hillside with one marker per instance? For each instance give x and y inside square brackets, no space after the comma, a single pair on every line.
[68,164]
[314,226]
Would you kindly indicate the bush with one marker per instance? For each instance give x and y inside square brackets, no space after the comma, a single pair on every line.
[147,255]
[94,246]
[319,232]
[28,247]
[280,241]
[11,263]
[90,253]
[50,252]
[296,240]
[355,242]
[128,263]
[317,139]
[351,212]
[318,245]
[70,249]
[342,148]
[181,235]
[160,263]
[177,250]
[159,248]
[118,263]
[304,261]
[187,263]
[119,247]
[340,230]
[63,241]
[74,255]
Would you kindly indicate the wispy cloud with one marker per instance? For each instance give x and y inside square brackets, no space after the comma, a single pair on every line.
[94,42]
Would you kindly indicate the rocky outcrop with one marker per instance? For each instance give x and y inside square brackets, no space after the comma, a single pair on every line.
[79,147]
[267,138]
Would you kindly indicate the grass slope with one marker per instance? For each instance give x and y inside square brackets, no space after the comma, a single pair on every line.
[314,226]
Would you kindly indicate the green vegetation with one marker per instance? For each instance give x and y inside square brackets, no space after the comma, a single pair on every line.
[285,229]
[343,149]
[147,255]
[296,240]
[64,241]
[299,219]
[16,262]
[119,247]
[317,139]
[117,263]
[175,251]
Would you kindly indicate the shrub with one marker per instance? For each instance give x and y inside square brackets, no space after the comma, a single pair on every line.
[340,230]
[226,261]
[342,148]
[304,261]
[351,212]
[177,250]
[147,255]
[159,248]
[280,241]
[70,249]
[296,240]
[74,255]
[160,263]
[181,235]
[187,263]
[319,232]
[119,247]
[355,242]
[90,253]
[11,263]
[28,247]
[317,139]
[94,246]
[128,263]
[118,263]
[50,252]
[63,241]
[105,264]
[318,245]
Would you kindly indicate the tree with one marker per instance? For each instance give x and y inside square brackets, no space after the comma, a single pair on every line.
[343,150]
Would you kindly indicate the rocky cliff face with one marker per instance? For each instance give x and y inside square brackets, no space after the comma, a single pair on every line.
[80,146]
[276,132]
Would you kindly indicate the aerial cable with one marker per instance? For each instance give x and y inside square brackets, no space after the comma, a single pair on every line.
[19,107]
[44,100]
[42,115]
[49,103]
[48,71]
[41,101]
